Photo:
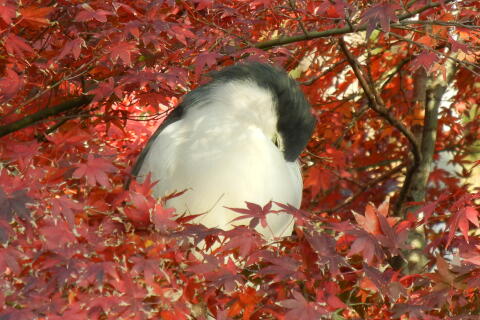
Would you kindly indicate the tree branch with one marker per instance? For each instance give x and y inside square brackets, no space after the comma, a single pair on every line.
[45,113]
[264,45]
[376,103]
[435,88]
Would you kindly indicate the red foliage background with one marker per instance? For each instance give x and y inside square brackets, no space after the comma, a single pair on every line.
[386,230]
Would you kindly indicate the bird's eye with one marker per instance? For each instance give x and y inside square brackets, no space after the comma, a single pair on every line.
[277,141]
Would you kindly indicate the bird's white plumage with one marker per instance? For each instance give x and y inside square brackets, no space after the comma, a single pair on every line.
[222,152]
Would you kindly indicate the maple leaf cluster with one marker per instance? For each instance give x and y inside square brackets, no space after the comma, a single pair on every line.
[390,173]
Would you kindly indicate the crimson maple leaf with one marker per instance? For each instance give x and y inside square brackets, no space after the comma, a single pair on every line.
[207,59]
[104,90]
[7,12]
[16,45]
[461,220]
[380,14]
[254,211]
[36,16]
[122,51]
[14,203]
[163,218]
[301,309]
[95,171]
[65,206]
[424,60]
[72,47]
[90,14]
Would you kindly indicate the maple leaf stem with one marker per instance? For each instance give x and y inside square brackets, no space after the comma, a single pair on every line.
[45,113]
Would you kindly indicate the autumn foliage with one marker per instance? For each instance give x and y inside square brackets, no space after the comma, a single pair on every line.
[389,226]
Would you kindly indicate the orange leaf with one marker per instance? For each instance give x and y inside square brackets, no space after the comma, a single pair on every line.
[440,31]
[426,40]
[36,15]
[369,222]
[447,17]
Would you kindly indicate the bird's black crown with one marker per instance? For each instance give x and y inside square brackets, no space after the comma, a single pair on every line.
[295,120]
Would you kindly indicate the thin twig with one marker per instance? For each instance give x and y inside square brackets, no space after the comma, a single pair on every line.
[464,63]
[365,188]
[325,72]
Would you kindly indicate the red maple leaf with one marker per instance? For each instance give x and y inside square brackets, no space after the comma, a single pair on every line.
[35,16]
[255,212]
[89,14]
[424,60]
[461,220]
[72,47]
[7,12]
[57,236]
[181,33]
[139,210]
[202,4]
[9,258]
[104,90]
[65,206]
[122,51]
[10,84]
[328,292]
[16,45]
[380,14]
[370,222]
[281,268]
[95,171]
[14,203]
[301,309]
[244,239]
[163,218]
[208,59]
[318,179]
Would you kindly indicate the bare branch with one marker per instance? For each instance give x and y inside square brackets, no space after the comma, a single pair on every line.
[44,114]
[337,31]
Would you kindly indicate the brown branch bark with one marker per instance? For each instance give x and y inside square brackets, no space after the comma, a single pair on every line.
[434,89]
[44,114]
[429,93]
[337,31]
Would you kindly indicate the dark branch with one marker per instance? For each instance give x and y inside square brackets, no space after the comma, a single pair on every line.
[376,102]
[337,31]
[44,114]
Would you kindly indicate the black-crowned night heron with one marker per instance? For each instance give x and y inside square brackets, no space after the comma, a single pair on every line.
[233,140]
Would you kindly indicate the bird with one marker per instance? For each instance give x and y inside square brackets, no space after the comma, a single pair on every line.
[232,141]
